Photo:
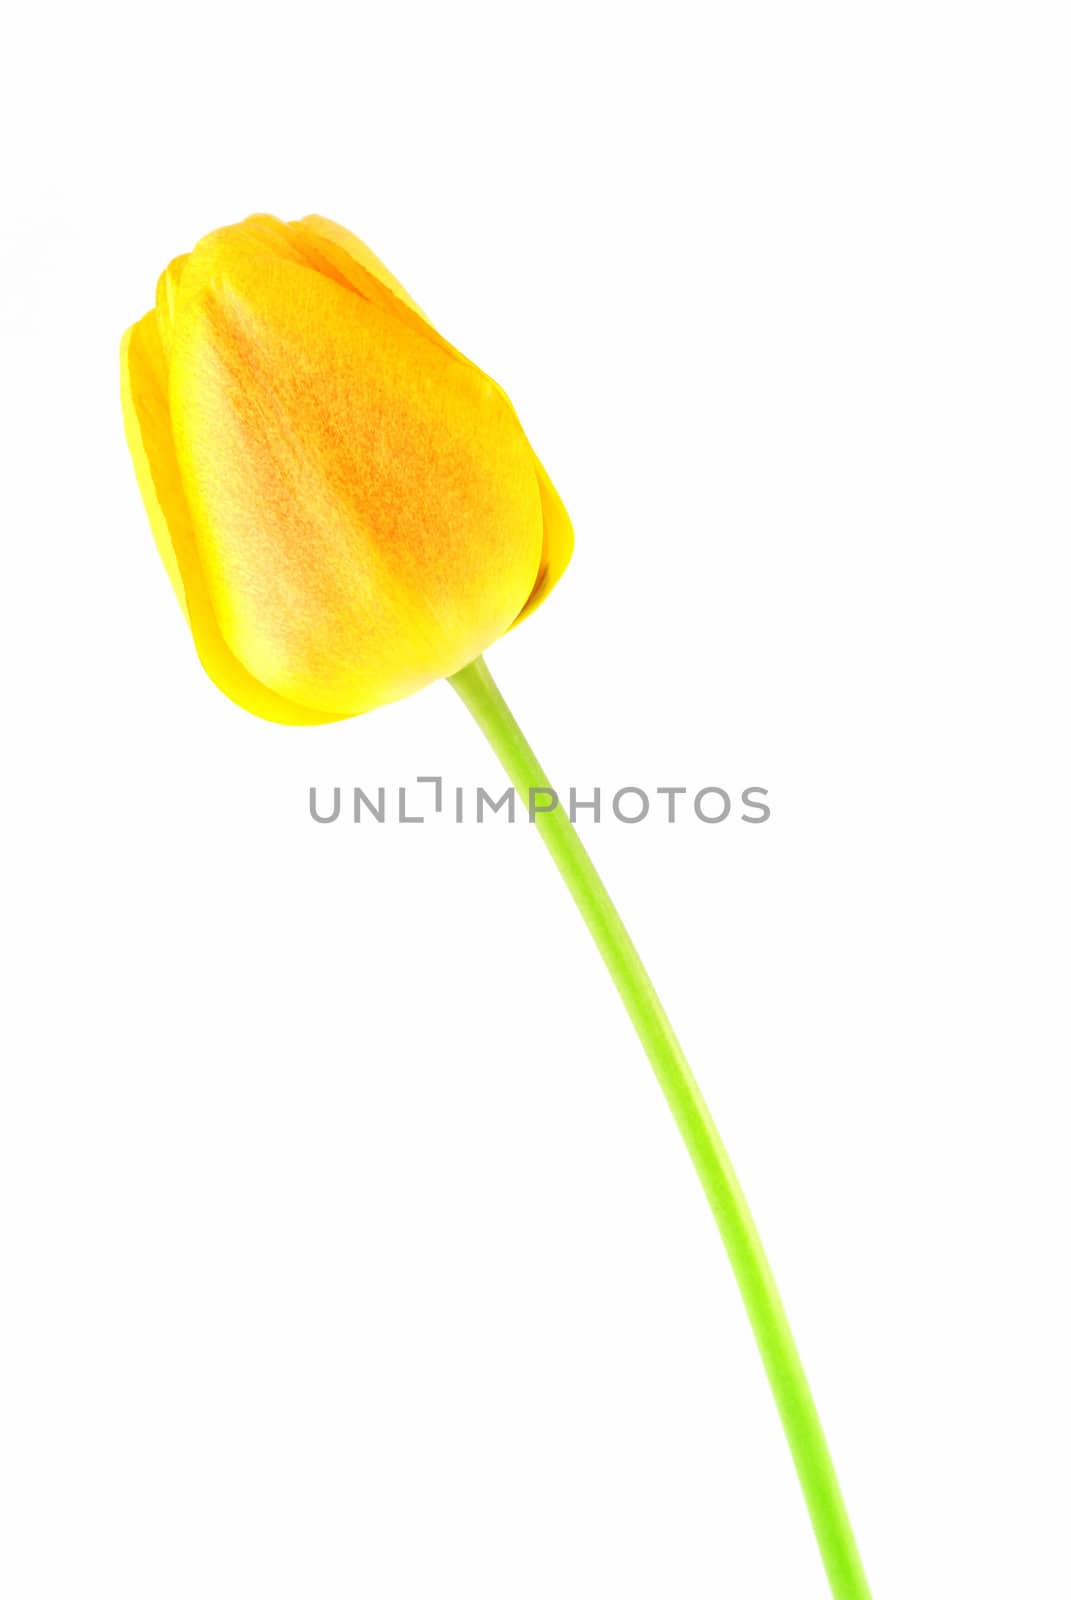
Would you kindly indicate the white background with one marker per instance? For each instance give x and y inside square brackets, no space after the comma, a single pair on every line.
[347,1247]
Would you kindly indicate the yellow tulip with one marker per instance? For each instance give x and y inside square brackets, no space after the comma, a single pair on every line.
[347,508]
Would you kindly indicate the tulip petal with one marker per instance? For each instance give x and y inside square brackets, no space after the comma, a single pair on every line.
[557,544]
[166,298]
[366,508]
[350,256]
[338,242]
[146,415]
[339,254]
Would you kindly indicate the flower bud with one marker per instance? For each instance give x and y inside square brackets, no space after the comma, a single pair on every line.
[347,508]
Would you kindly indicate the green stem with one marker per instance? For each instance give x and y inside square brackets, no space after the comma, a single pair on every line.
[773,1335]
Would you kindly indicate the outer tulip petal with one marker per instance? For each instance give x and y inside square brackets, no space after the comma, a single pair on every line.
[148,435]
[166,297]
[557,544]
[350,256]
[148,430]
[339,242]
[365,505]
[339,254]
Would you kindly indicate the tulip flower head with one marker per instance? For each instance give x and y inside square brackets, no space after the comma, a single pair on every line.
[346,506]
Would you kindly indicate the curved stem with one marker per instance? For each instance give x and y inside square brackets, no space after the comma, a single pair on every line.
[773,1335]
